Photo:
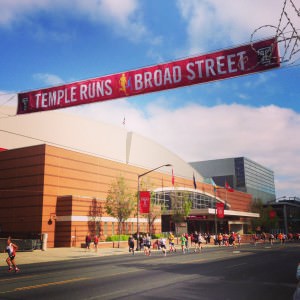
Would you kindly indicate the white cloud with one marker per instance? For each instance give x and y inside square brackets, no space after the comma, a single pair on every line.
[213,23]
[267,135]
[48,79]
[124,17]
[8,103]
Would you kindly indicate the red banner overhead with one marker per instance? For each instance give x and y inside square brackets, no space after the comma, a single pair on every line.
[144,202]
[242,60]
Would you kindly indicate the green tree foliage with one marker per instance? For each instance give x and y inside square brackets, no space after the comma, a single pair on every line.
[181,205]
[95,214]
[264,222]
[154,212]
[120,202]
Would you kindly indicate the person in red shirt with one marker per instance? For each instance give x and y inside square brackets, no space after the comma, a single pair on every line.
[96,242]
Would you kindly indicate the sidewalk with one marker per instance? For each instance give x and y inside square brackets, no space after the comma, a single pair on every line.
[59,254]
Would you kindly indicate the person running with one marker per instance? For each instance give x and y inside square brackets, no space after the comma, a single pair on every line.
[182,243]
[172,242]
[88,241]
[280,237]
[141,242]
[255,239]
[239,238]
[187,242]
[147,245]
[232,240]
[206,238]
[271,238]
[196,240]
[131,244]
[220,239]
[11,250]
[263,237]
[200,242]
[163,246]
[96,242]
[226,239]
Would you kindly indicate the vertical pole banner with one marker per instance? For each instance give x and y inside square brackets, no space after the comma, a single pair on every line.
[220,210]
[144,202]
[246,59]
[272,214]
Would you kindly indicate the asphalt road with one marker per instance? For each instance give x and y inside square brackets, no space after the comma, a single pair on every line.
[222,273]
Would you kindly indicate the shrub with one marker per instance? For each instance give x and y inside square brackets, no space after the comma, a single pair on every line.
[157,236]
[116,238]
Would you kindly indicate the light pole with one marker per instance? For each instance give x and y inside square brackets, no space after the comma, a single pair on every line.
[216,224]
[138,202]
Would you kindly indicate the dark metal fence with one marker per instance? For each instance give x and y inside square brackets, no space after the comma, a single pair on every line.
[24,244]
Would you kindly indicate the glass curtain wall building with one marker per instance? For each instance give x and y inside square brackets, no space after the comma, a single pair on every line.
[242,174]
[199,201]
[203,205]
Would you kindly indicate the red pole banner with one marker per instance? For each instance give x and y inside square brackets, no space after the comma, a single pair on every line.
[233,62]
[220,210]
[144,202]
[272,214]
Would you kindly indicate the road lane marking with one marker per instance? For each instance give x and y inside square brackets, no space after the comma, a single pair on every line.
[237,265]
[31,287]
[17,278]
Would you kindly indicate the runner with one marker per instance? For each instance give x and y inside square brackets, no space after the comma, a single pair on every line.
[187,242]
[232,240]
[11,251]
[200,242]
[141,242]
[196,240]
[271,238]
[263,237]
[171,242]
[255,239]
[147,245]
[96,242]
[220,239]
[131,244]
[226,239]
[163,246]
[239,238]
[182,243]
[88,241]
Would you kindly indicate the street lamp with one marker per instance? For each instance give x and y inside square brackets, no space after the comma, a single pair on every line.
[138,202]
[216,224]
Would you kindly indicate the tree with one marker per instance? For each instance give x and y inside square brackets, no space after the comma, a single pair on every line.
[154,213]
[181,205]
[264,222]
[95,214]
[119,202]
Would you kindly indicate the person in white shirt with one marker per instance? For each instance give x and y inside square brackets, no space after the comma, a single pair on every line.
[11,249]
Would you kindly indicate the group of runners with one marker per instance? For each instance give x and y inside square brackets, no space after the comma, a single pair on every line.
[88,241]
[144,244]
[187,242]
[272,237]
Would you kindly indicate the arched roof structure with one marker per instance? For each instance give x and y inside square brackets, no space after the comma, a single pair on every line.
[83,135]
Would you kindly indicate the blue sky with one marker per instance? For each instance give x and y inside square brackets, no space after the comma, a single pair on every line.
[49,42]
